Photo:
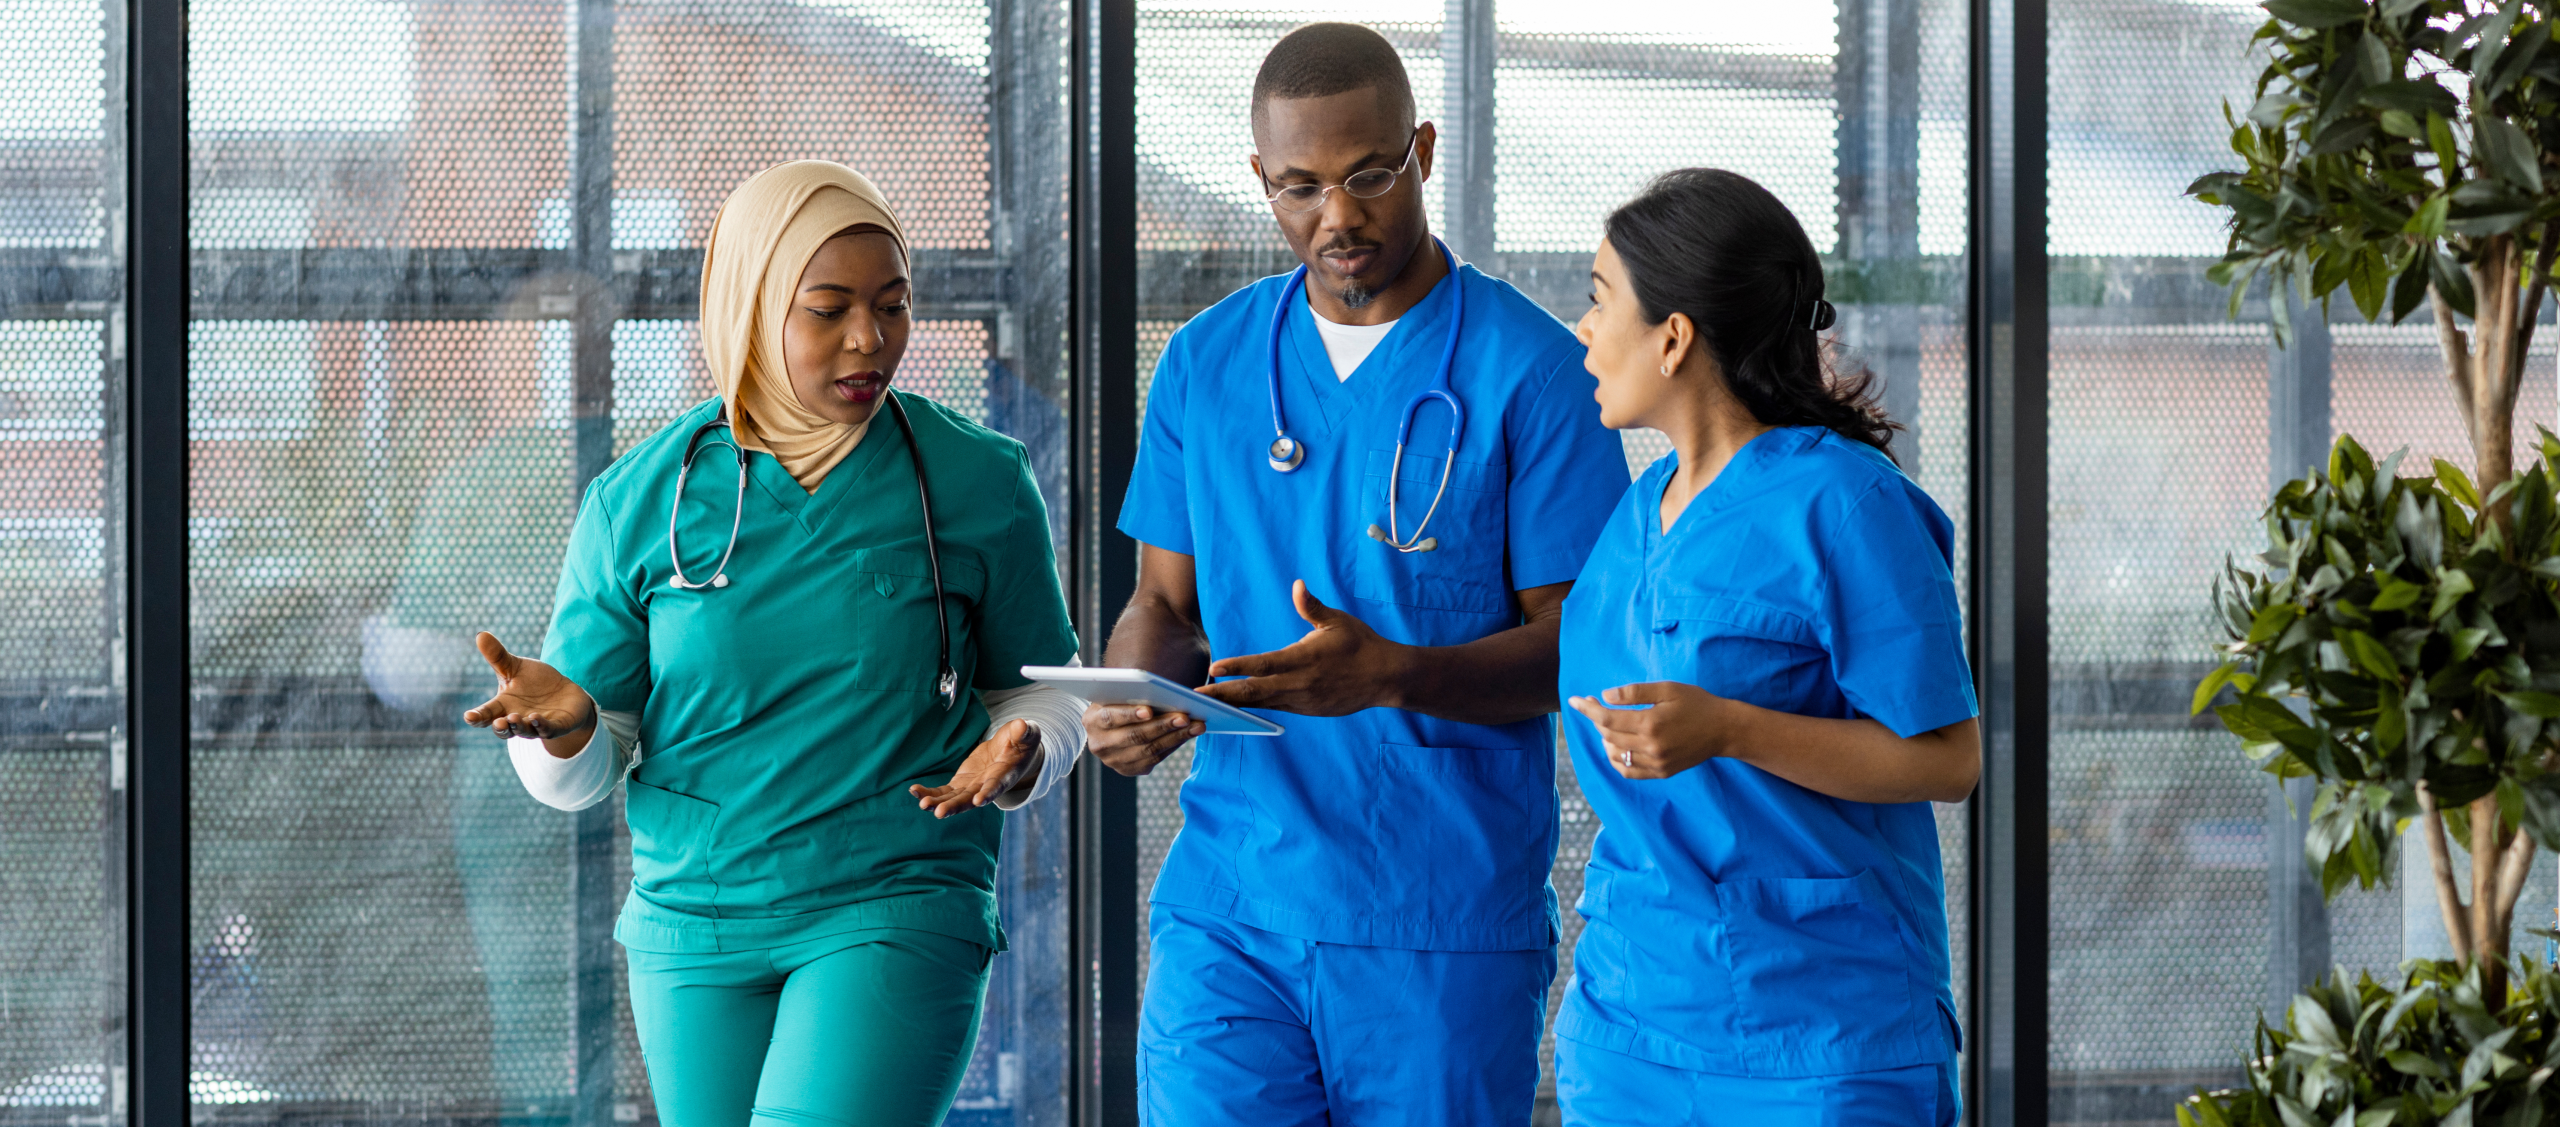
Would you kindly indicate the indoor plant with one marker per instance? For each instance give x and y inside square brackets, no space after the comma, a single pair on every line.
[2403,647]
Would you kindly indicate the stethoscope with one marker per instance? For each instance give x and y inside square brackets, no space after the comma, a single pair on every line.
[947,684]
[1287,453]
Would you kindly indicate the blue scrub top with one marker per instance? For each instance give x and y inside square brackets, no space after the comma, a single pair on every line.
[1739,923]
[1383,828]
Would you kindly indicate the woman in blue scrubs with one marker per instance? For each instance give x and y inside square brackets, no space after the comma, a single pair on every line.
[1767,656]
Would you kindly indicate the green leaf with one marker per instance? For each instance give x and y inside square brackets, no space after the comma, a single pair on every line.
[2452,583]
[2531,703]
[2457,484]
[2409,96]
[2505,151]
[2409,290]
[2414,1064]
[2450,283]
[2440,139]
[2212,684]
[2371,655]
[2428,221]
[2397,594]
[2270,622]
[2316,13]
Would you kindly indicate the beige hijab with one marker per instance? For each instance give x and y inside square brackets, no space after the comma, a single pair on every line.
[765,235]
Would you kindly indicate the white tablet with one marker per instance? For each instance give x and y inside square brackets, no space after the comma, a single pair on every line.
[1137,686]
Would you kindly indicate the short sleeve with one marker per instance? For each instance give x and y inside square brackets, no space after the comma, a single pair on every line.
[1891,621]
[1023,619]
[1567,474]
[599,628]
[1156,509]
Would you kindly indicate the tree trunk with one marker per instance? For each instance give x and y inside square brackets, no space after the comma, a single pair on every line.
[2486,367]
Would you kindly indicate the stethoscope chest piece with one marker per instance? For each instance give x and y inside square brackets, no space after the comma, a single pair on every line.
[1286,453]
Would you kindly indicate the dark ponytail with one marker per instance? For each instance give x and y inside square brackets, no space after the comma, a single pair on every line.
[1717,246]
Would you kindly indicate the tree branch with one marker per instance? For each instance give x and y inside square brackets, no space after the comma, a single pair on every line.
[2515,863]
[2457,351]
[2457,926]
[2542,260]
[2488,940]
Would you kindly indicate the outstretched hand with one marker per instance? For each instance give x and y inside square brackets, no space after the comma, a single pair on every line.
[533,700]
[1676,730]
[1340,667]
[1004,761]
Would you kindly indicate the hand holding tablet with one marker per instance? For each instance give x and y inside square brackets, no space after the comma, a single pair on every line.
[1137,686]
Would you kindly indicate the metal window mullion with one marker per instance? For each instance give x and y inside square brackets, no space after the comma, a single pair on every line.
[2297,439]
[594,889]
[2008,327]
[1103,920]
[1464,161]
[158,998]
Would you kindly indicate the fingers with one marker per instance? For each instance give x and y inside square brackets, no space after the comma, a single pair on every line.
[1650,692]
[488,712]
[1613,721]
[1103,718]
[1249,665]
[491,651]
[1309,607]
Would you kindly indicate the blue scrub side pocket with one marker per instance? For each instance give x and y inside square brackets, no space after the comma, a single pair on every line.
[1818,964]
[671,845]
[1466,571]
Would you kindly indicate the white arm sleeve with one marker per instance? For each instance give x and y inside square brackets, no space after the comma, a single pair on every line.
[584,779]
[1058,714]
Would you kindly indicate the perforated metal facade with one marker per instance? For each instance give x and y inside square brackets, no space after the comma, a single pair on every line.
[1868,153]
[62,766]
[390,408]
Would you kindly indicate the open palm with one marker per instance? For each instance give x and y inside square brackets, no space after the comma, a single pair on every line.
[533,698]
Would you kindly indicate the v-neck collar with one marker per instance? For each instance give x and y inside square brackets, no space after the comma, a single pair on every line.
[1729,486]
[810,510]
[1388,370]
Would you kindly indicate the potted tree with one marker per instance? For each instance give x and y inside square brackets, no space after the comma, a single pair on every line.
[2402,644]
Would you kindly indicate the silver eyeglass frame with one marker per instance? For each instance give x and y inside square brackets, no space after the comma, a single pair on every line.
[1412,148]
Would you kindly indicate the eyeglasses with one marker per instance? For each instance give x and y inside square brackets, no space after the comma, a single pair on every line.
[1367,184]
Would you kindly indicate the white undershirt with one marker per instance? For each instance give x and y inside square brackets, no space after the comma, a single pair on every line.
[584,779]
[1348,345]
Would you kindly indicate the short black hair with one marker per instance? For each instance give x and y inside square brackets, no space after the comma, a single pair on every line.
[1321,59]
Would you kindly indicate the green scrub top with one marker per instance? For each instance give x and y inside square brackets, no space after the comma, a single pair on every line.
[782,717]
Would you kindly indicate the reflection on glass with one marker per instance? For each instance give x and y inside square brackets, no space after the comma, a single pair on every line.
[386,421]
[62,742]
[1853,114]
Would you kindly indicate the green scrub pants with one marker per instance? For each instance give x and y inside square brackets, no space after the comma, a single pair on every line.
[874,1027]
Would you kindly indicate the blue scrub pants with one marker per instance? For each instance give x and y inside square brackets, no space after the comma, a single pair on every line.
[869,1029]
[1599,1087]
[1246,1026]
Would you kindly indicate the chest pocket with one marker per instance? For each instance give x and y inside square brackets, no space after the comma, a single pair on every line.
[889,601]
[1465,572]
[1736,648]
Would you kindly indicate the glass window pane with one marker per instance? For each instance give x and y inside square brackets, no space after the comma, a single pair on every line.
[2159,455]
[62,707]
[1870,157]
[388,424]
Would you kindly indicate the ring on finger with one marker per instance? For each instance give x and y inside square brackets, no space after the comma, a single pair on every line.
[1626,757]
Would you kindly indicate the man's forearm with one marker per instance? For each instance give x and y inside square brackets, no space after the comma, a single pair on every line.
[1499,679]
[1152,636]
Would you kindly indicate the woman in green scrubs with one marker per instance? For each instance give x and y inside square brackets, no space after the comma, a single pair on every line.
[805,944]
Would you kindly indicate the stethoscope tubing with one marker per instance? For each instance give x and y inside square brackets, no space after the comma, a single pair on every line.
[946,677]
[1439,389]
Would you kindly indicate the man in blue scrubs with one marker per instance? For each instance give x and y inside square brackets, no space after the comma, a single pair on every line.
[1355,923]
